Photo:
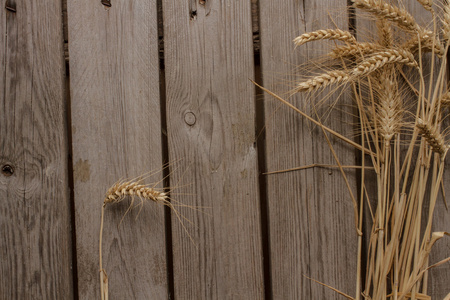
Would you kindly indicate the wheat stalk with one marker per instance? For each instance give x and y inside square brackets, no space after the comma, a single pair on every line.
[132,189]
[115,194]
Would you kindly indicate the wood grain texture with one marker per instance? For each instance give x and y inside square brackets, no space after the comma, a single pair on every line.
[116,130]
[35,246]
[312,231]
[211,125]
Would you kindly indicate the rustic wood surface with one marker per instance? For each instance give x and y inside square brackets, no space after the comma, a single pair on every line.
[116,128]
[211,119]
[35,246]
[208,49]
[312,230]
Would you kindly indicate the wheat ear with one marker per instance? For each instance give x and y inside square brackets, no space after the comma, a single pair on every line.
[446,20]
[389,107]
[385,34]
[321,81]
[381,9]
[427,4]
[380,59]
[359,49]
[433,137]
[330,34]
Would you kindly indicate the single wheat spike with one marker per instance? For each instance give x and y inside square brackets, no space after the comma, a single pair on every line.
[389,12]
[385,35]
[132,188]
[321,81]
[117,193]
[358,49]
[380,59]
[427,4]
[446,20]
[433,137]
[389,112]
[330,34]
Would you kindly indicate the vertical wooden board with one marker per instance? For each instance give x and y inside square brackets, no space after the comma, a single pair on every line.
[211,128]
[116,127]
[312,231]
[35,247]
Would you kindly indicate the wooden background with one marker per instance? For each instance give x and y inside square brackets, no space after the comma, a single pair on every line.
[93,91]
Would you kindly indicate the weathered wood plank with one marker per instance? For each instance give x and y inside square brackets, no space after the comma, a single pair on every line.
[312,231]
[211,119]
[36,250]
[116,130]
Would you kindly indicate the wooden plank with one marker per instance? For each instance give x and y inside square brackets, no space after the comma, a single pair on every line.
[211,117]
[36,250]
[312,231]
[116,128]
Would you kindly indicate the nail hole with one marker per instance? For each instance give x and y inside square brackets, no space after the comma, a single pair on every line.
[193,15]
[107,3]
[10,5]
[7,170]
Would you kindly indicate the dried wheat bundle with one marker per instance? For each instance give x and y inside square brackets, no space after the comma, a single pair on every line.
[400,104]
